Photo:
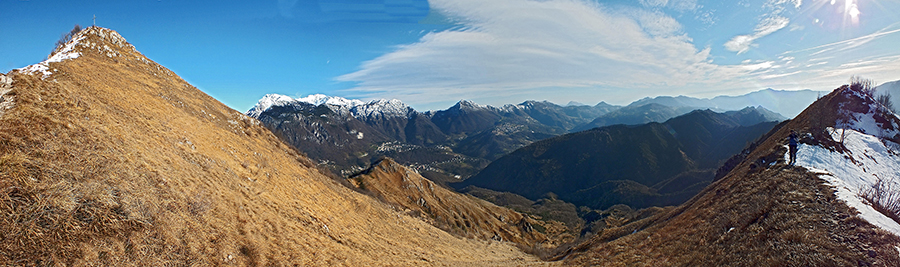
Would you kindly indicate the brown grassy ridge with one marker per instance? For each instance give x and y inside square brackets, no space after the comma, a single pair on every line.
[761,213]
[115,160]
[456,213]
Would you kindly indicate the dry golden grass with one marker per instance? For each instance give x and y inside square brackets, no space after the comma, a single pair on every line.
[759,214]
[453,212]
[884,198]
[115,160]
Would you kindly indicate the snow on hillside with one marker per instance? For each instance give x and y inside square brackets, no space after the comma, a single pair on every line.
[67,52]
[381,107]
[869,122]
[867,160]
[105,41]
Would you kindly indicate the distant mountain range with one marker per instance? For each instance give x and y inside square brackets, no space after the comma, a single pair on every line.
[445,145]
[654,164]
[453,144]
[787,103]
[765,212]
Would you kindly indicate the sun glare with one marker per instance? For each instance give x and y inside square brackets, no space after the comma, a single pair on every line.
[851,10]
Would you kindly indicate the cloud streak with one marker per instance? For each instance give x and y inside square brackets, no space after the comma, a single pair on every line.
[743,43]
[771,22]
[560,50]
[534,46]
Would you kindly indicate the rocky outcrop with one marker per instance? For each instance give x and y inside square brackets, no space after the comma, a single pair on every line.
[5,82]
[6,101]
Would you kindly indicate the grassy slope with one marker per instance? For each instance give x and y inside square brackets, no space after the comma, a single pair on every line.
[756,215]
[117,161]
[454,212]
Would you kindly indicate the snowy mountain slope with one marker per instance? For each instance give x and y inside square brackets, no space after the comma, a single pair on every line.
[867,153]
[67,52]
[766,212]
[112,45]
[867,160]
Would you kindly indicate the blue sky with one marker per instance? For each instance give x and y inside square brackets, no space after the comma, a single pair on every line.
[432,54]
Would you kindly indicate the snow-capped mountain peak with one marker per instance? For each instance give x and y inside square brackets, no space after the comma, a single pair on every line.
[319,99]
[381,107]
[353,107]
[267,102]
[468,104]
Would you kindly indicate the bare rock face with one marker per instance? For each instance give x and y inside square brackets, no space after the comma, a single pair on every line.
[5,82]
[6,101]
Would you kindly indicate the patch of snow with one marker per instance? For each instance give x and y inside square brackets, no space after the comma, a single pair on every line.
[67,52]
[866,122]
[868,159]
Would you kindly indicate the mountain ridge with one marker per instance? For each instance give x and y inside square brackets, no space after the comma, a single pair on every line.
[622,164]
[453,212]
[764,211]
[450,144]
[785,102]
[111,159]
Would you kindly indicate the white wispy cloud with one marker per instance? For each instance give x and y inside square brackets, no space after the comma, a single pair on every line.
[510,50]
[511,46]
[850,43]
[653,3]
[743,43]
[771,22]
[683,5]
[677,5]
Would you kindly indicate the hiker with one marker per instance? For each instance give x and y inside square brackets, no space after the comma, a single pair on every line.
[792,143]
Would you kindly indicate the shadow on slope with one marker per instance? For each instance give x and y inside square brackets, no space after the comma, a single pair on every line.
[656,164]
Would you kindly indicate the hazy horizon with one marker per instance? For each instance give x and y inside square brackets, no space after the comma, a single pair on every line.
[431,54]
